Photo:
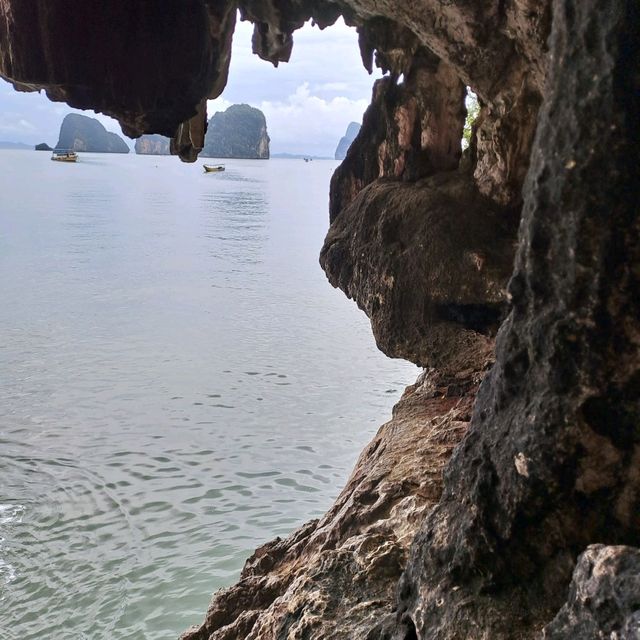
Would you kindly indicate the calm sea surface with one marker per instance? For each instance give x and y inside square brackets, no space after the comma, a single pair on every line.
[178,384]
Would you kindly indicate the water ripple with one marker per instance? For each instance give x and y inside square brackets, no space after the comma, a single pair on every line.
[180,384]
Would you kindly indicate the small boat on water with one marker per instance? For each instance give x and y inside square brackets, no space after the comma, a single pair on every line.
[64,155]
[213,168]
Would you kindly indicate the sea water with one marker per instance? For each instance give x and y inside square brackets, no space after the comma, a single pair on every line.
[179,384]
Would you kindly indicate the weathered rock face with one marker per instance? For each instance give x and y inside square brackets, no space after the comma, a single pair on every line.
[396,237]
[421,237]
[82,133]
[346,140]
[550,464]
[238,132]
[410,131]
[152,83]
[128,60]
[334,578]
[408,214]
[604,597]
[153,145]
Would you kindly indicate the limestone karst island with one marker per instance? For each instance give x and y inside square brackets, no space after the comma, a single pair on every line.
[238,132]
[81,133]
[346,140]
[391,395]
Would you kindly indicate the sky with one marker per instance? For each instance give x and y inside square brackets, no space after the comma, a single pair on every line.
[308,102]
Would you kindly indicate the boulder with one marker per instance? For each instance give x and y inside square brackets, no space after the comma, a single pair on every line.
[604,597]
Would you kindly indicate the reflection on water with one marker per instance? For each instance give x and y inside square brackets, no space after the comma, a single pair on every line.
[179,384]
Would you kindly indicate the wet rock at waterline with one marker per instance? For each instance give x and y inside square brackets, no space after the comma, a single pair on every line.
[334,578]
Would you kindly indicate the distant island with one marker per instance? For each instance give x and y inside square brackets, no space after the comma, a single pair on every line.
[43,146]
[82,133]
[238,132]
[299,156]
[345,142]
[4,144]
[152,145]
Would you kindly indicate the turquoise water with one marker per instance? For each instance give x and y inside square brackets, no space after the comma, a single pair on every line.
[179,384]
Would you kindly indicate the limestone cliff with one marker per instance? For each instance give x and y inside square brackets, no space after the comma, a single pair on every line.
[153,145]
[82,133]
[424,237]
[238,132]
[346,140]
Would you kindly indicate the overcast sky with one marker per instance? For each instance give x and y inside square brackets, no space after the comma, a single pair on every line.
[308,102]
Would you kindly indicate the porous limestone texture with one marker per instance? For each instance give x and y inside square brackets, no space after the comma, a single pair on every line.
[551,462]
[604,597]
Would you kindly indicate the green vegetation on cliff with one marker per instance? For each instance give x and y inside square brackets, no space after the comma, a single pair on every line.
[238,132]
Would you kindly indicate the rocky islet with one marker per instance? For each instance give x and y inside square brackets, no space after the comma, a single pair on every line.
[238,132]
[81,133]
[153,145]
[346,140]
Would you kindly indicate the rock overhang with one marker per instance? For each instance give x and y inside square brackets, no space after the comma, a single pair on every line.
[154,66]
[495,555]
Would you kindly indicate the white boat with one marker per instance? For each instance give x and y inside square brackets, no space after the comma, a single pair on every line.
[64,155]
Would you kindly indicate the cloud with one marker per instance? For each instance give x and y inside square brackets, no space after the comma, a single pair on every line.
[308,102]
[31,117]
[303,122]
[307,123]
[329,60]
[332,86]
[25,124]
[14,123]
